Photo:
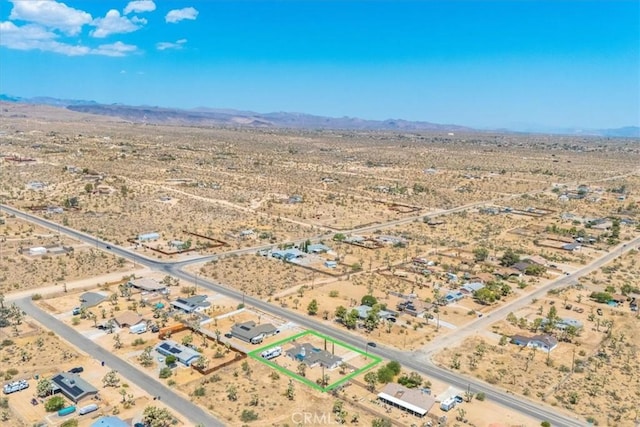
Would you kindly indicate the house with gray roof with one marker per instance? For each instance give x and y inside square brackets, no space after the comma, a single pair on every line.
[191,304]
[183,354]
[251,332]
[72,386]
[312,356]
[91,299]
[543,342]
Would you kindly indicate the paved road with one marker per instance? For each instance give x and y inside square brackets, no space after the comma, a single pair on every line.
[179,404]
[419,361]
[525,300]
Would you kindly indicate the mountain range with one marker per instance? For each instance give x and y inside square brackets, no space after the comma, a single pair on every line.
[226,117]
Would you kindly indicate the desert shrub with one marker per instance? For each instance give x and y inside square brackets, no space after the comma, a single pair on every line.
[248,415]
[481,396]
[70,423]
[138,341]
[36,297]
[13,372]
[165,372]
[199,392]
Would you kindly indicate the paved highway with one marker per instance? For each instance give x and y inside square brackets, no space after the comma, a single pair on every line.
[419,361]
[179,404]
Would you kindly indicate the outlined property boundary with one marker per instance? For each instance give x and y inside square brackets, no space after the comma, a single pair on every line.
[374,360]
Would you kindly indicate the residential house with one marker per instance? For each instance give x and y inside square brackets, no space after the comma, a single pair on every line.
[191,304]
[571,247]
[415,402]
[391,240]
[471,287]
[72,386]
[127,318]
[414,307]
[145,237]
[183,354]
[288,254]
[318,249]
[453,296]
[312,356]
[91,299]
[110,421]
[38,250]
[542,342]
[364,310]
[251,332]
[147,285]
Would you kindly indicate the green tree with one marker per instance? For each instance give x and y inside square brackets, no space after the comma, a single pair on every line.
[152,416]
[111,379]
[312,308]
[480,254]
[509,258]
[385,375]
[55,403]
[371,378]
[340,312]
[369,300]
[395,367]
[145,358]
[381,422]
[43,389]
[413,380]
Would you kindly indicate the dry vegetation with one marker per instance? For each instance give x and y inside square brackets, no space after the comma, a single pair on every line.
[116,180]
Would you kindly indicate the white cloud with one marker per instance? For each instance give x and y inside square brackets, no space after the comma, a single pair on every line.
[169,45]
[140,6]
[37,37]
[178,15]
[114,49]
[113,23]
[50,14]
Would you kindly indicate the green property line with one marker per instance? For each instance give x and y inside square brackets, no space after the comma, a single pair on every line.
[256,356]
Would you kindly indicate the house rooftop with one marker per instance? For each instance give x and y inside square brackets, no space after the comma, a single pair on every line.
[412,400]
[310,355]
[191,303]
[109,421]
[250,329]
[72,386]
[185,355]
[91,299]
[128,318]
[147,284]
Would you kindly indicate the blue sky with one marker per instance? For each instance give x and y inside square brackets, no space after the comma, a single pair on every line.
[517,63]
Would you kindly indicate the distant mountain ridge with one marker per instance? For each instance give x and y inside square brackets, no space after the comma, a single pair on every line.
[228,117]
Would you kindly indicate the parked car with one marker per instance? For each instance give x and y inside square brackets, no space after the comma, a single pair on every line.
[76,370]
[76,311]
[228,335]
[372,344]
[155,329]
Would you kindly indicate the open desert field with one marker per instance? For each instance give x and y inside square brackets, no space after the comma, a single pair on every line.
[402,217]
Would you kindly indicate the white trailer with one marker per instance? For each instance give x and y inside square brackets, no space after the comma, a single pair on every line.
[138,329]
[271,353]
[88,409]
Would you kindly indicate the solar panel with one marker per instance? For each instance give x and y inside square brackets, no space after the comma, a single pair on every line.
[165,346]
[175,350]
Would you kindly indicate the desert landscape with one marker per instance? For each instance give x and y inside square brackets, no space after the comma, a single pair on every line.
[397,239]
